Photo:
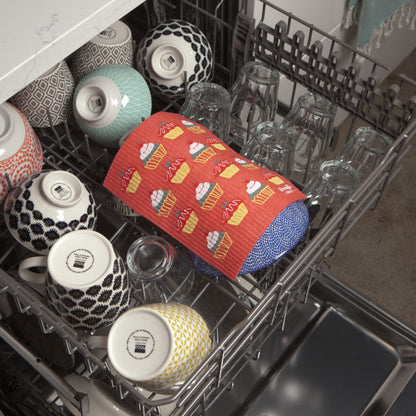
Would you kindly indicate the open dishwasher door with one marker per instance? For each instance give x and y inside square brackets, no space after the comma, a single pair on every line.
[338,355]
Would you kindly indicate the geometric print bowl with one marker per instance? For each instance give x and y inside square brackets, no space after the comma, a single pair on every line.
[158,345]
[168,51]
[112,46]
[95,307]
[282,235]
[110,101]
[87,282]
[50,93]
[45,206]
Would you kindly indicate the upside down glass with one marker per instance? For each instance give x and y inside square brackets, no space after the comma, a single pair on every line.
[158,271]
[208,104]
[365,150]
[312,119]
[253,100]
[272,146]
[327,191]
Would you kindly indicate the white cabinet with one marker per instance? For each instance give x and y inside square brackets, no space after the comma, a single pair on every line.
[35,35]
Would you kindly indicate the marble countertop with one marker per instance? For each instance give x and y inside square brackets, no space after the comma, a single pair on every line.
[35,35]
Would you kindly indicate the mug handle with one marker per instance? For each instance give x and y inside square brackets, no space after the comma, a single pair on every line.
[33,277]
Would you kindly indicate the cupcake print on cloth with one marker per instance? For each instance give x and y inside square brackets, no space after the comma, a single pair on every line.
[185,180]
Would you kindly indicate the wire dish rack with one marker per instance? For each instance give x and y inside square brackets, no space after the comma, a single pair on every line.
[253,307]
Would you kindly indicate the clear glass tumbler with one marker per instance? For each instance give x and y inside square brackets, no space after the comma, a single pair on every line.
[208,104]
[365,150]
[253,100]
[312,119]
[158,271]
[327,191]
[272,146]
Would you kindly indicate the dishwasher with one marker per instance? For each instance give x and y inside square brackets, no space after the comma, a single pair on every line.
[290,339]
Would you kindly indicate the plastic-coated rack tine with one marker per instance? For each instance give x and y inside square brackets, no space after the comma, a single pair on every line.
[7,252]
[91,366]
[278,296]
[46,328]
[220,367]
[8,180]
[70,349]
[51,126]
[217,28]
[121,393]
[69,137]
[309,284]
[20,306]
[88,146]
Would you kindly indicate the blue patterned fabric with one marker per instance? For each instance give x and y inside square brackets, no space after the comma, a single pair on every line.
[374,16]
[282,235]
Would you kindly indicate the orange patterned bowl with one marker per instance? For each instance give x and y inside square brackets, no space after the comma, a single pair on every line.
[20,149]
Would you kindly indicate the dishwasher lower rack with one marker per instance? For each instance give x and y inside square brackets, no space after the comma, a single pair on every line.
[254,306]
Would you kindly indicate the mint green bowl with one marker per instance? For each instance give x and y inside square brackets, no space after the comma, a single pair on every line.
[109,102]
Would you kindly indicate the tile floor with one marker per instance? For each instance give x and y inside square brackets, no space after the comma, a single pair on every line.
[378,256]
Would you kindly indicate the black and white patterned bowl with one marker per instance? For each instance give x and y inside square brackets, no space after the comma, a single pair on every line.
[87,283]
[45,206]
[170,50]
[47,101]
[112,46]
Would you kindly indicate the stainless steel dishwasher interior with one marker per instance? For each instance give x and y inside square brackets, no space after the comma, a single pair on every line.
[339,354]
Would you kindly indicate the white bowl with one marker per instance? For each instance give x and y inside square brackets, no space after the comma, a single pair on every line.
[47,205]
[172,53]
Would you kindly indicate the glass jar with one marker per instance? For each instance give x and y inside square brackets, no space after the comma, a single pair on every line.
[272,146]
[365,150]
[208,104]
[312,120]
[158,271]
[327,191]
[253,100]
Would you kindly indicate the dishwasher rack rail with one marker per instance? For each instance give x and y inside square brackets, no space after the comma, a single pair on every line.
[256,305]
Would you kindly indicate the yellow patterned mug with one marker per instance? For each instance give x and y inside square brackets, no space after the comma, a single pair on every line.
[158,345]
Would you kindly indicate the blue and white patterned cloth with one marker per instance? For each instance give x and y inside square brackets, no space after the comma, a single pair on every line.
[282,235]
[378,18]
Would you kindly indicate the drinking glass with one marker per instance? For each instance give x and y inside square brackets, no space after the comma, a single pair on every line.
[272,146]
[327,191]
[208,104]
[158,271]
[312,119]
[364,150]
[253,100]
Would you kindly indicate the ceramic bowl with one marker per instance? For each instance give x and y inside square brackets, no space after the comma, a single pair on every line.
[86,280]
[158,345]
[170,50]
[281,236]
[20,149]
[110,101]
[112,46]
[50,93]
[47,205]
